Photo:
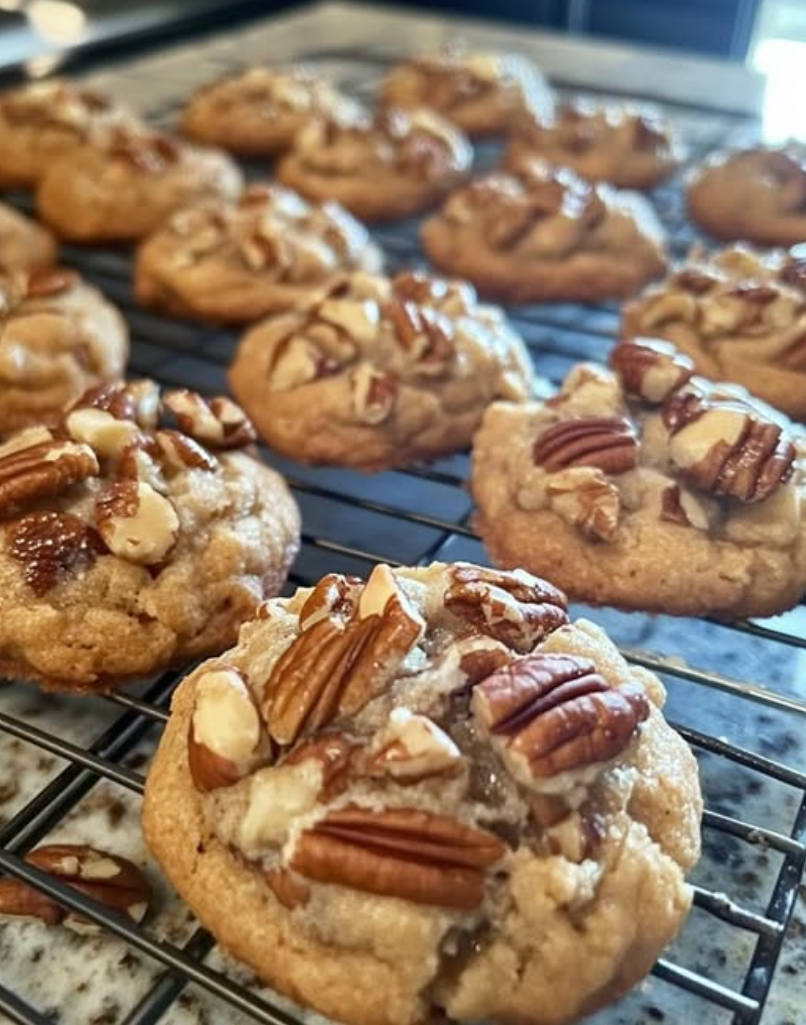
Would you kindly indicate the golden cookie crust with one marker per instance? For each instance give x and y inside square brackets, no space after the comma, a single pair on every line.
[347,382]
[375,960]
[58,337]
[235,262]
[395,166]
[756,194]
[544,234]
[127,184]
[258,112]
[24,244]
[479,92]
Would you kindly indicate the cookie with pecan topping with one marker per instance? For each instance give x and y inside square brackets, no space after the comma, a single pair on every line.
[125,183]
[648,488]
[394,165]
[479,92]
[135,534]
[58,337]
[379,372]
[543,233]
[740,315]
[41,121]
[387,790]
[631,147]
[267,253]
[24,244]
[756,194]
[258,112]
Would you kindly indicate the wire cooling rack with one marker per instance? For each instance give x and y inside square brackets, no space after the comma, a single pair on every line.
[746,734]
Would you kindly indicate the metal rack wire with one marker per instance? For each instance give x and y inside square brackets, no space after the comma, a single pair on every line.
[413,516]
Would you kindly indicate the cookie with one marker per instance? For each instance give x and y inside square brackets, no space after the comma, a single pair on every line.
[479,92]
[756,194]
[24,244]
[740,316]
[41,121]
[128,547]
[58,337]
[236,261]
[257,112]
[631,147]
[650,489]
[426,798]
[127,184]
[395,165]
[380,373]
[545,234]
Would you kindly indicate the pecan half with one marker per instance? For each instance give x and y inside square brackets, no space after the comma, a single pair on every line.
[401,852]
[548,714]
[50,546]
[217,422]
[513,607]
[43,470]
[650,368]
[607,442]
[133,400]
[584,497]
[113,881]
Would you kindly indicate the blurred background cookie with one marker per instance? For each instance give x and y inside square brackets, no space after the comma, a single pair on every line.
[24,244]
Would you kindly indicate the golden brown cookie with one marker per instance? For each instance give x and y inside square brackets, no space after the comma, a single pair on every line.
[428,797]
[648,489]
[544,234]
[236,261]
[58,337]
[479,92]
[379,373]
[756,194]
[740,316]
[41,121]
[631,147]
[258,112]
[396,165]
[127,183]
[24,244]
[127,547]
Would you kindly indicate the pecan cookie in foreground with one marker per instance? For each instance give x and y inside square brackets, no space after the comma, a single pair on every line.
[545,234]
[130,545]
[379,373]
[238,260]
[648,489]
[24,244]
[756,194]
[396,164]
[127,183]
[428,797]
[626,146]
[41,121]
[479,92]
[258,112]
[58,337]
[740,316]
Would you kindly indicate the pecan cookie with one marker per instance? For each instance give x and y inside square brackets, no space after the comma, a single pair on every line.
[740,316]
[626,146]
[395,165]
[125,185]
[479,92]
[648,488]
[756,194]
[44,120]
[258,112]
[544,234]
[379,373]
[428,798]
[236,261]
[24,244]
[128,547]
[58,337]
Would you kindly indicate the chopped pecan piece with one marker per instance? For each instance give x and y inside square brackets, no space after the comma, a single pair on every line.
[425,334]
[50,546]
[374,393]
[334,754]
[650,368]
[401,852]
[179,452]
[411,748]
[217,422]
[51,281]
[43,470]
[289,891]
[549,714]
[134,400]
[607,442]
[513,607]
[692,279]
[137,522]
[334,594]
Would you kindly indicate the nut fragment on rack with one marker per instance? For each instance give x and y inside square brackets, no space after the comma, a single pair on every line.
[112,881]
[608,443]
[218,423]
[43,470]
[650,368]
[137,522]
